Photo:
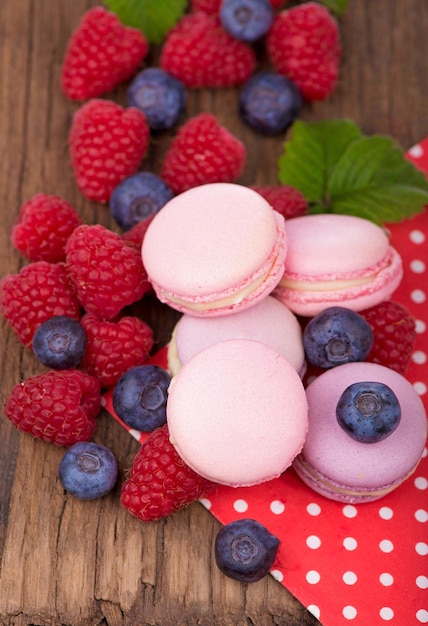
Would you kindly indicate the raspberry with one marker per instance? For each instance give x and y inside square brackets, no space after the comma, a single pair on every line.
[33,296]
[101,54]
[202,152]
[135,235]
[107,144]
[303,44]
[43,227]
[113,347]
[108,273]
[160,483]
[288,201]
[201,53]
[58,406]
[211,7]
[394,331]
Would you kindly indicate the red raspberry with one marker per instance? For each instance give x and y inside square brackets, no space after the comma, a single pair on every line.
[43,227]
[303,44]
[101,54]
[160,483]
[211,7]
[394,331]
[58,406]
[202,152]
[135,235]
[107,143]
[288,201]
[108,273]
[201,53]
[38,292]
[113,347]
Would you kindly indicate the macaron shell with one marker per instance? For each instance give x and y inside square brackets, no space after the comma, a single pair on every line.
[362,466]
[237,413]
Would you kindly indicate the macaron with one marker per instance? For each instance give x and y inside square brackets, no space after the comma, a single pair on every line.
[341,467]
[215,249]
[269,321]
[237,413]
[337,260]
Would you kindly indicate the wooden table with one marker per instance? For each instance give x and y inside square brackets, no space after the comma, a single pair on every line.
[64,561]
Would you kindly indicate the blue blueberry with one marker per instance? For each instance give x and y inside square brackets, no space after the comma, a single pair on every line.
[269,102]
[368,411]
[137,197]
[159,95]
[139,397]
[60,342]
[245,550]
[88,470]
[336,336]
[246,20]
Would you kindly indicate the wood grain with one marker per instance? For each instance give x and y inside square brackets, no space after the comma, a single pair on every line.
[67,562]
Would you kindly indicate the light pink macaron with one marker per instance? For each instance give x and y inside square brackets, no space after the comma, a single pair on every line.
[237,413]
[337,260]
[269,321]
[341,468]
[215,249]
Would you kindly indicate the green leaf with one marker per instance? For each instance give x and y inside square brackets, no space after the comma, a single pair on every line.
[340,170]
[153,17]
[336,6]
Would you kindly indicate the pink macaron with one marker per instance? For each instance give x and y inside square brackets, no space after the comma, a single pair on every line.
[269,321]
[237,413]
[215,249]
[337,260]
[336,464]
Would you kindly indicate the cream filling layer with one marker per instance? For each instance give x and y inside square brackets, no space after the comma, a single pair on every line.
[326,285]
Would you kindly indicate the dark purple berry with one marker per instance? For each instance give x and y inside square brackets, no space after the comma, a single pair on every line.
[159,95]
[269,102]
[139,397]
[60,342]
[336,336]
[137,197]
[88,470]
[245,550]
[246,20]
[368,411]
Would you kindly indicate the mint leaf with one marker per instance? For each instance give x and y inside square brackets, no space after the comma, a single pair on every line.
[336,6]
[340,170]
[153,17]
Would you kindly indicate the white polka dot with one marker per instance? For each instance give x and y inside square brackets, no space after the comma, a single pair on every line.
[277,575]
[350,578]
[420,326]
[422,582]
[425,453]
[385,512]
[422,616]
[386,545]
[419,357]
[349,543]
[313,509]
[349,612]
[205,502]
[421,548]
[416,151]
[349,511]
[386,613]
[386,579]
[417,236]
[313,577]
[418,296]
[421,515]
[417,266]
[277,507]
[313,542]
[135,433]
[421,483]
[240,506]
[420,387]
[315,610]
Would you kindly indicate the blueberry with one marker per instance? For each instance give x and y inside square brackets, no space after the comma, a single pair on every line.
[137,197]
[60,342]
[139,397]
[368,411]
[245,550]
[246,20]
[88,470]
[159,95]
[335,336]
[269,102]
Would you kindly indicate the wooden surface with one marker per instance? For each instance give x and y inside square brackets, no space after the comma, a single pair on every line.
[64,561]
